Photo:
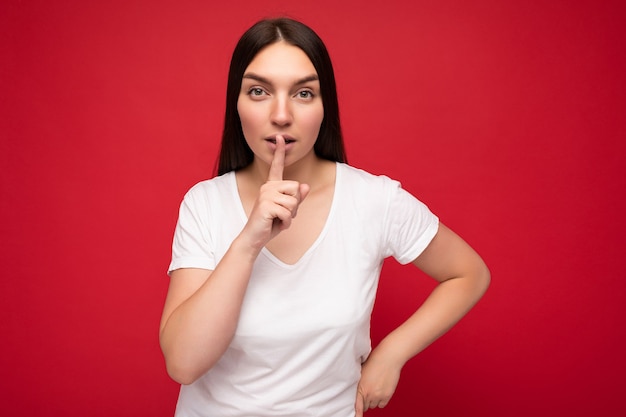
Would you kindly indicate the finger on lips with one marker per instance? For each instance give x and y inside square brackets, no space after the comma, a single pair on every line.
[292,193]
[278,162]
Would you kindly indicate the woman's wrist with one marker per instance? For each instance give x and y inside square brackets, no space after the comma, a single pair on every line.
[391,353]
[245,249]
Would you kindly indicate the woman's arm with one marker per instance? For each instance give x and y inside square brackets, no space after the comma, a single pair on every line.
[463,278]
[201,312]
[202,307]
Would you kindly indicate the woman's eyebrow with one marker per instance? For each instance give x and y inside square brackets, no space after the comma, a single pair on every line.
[261,79]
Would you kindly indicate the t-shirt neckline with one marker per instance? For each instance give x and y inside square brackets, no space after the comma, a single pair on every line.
[266,252]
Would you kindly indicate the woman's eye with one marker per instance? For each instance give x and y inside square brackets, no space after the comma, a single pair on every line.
[257,92]
[306,94]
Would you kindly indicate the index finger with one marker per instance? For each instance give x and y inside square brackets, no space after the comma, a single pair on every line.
[278,163]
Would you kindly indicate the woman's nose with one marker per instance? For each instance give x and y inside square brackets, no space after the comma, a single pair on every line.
[281,112]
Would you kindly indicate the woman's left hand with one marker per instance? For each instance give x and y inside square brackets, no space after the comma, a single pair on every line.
[379,378]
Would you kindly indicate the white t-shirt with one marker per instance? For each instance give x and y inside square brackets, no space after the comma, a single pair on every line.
[304,328]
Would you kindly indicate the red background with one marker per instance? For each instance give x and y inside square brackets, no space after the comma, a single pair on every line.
[506,118]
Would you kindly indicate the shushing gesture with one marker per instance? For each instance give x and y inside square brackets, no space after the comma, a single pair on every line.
[277,203]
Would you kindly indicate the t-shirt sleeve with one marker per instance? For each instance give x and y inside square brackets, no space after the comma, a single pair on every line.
[410,225]
[192,246]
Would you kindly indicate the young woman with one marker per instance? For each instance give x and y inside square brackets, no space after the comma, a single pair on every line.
[276,261]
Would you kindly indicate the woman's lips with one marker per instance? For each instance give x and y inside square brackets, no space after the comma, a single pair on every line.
[287,141]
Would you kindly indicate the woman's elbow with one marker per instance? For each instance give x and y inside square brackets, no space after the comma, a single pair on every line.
[184,375]
[482,278]
[180,365]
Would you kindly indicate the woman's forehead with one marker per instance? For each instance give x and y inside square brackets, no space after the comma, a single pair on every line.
[281,60]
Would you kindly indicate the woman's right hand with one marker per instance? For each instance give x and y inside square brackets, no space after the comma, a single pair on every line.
[277,203]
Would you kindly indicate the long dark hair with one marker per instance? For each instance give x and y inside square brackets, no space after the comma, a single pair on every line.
[235,152]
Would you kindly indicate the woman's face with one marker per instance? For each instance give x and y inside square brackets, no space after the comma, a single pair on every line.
[280,94]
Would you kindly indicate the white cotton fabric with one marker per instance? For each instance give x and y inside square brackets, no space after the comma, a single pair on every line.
[304,328]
